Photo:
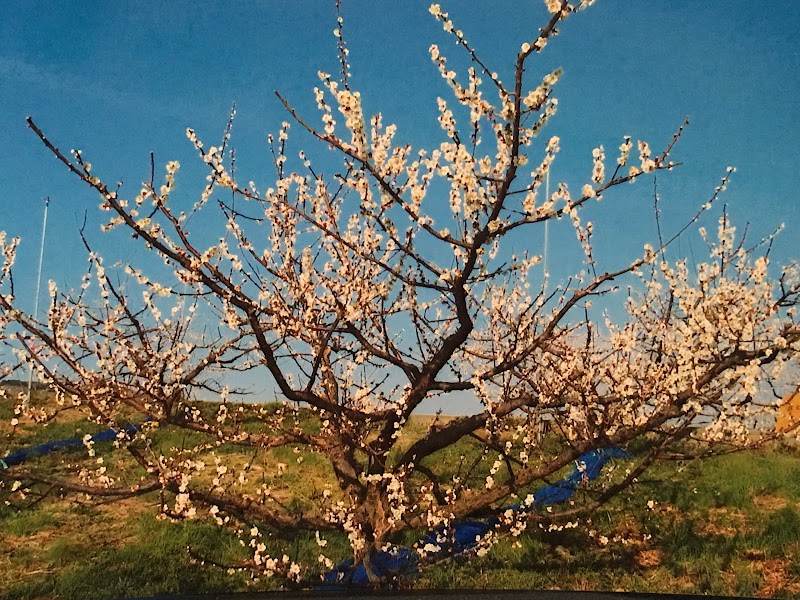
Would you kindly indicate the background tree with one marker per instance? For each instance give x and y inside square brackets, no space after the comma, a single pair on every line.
[363,293]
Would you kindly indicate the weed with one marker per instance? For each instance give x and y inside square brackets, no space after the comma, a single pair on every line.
[26,522]
[746,580]
[39,587]
[64,552]
[783,529]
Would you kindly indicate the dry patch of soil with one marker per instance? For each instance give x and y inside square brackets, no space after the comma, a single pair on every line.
[767,502]
[726,522]
[775,577]
[649,559]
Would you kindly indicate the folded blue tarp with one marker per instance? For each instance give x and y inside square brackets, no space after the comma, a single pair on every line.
[24,454]
[464,536]
[587,466]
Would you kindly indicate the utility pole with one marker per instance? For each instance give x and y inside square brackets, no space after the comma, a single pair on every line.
[27,401]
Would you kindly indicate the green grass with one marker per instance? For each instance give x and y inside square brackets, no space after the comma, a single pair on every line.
[731,480]
[155,561]
[53,431]
[26,522]
[728,525]
[782,530]
[712,530]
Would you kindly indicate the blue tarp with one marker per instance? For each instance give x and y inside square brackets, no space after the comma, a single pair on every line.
[464,536]
[24,454]
[587,466]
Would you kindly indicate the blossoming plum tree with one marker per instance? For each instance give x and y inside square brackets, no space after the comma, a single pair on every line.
[358,306]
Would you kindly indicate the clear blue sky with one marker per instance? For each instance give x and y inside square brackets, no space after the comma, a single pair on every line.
[121,79]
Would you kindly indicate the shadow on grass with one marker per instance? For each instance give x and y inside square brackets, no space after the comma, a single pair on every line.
[155,564]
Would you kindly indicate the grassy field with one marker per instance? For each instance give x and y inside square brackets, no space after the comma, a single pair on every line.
[729,525]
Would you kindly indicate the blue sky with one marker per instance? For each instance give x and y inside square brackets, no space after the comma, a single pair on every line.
[122,79]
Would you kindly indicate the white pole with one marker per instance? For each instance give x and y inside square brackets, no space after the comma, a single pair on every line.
[546,229]
[38,291]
